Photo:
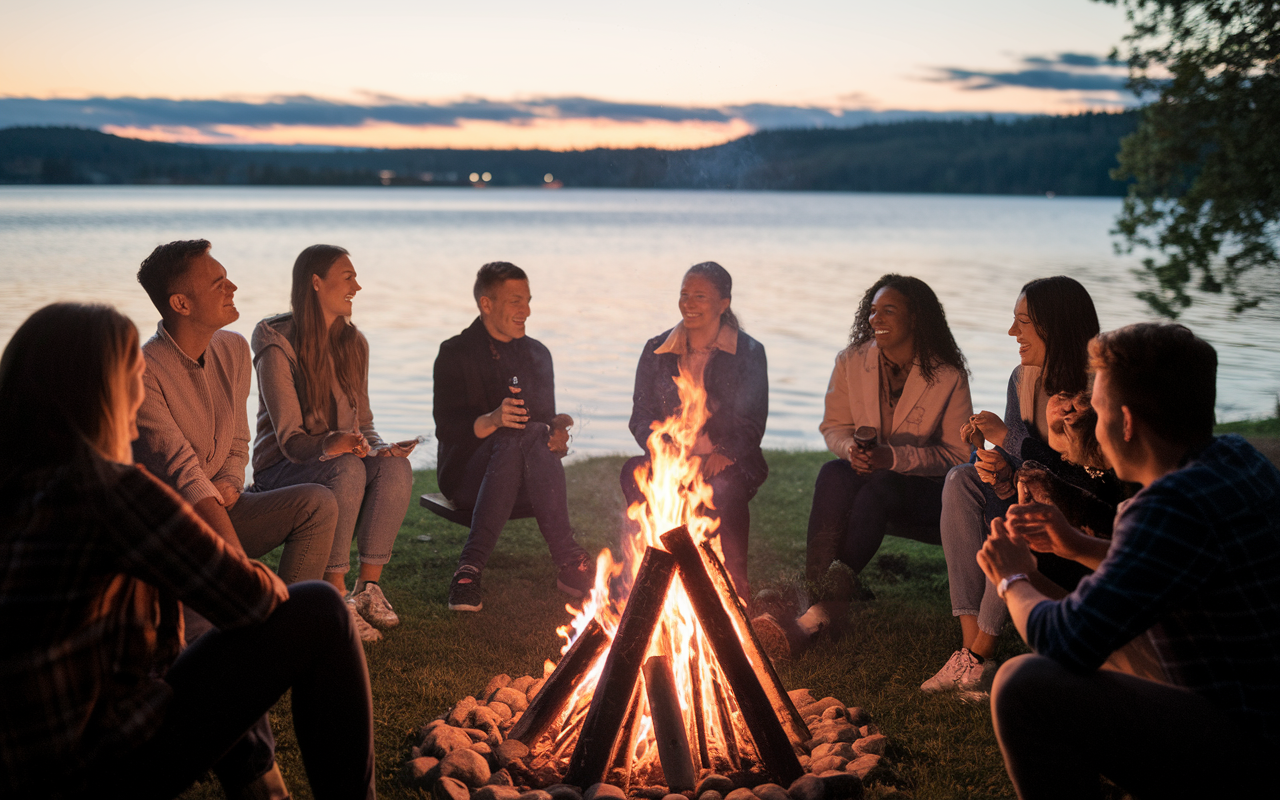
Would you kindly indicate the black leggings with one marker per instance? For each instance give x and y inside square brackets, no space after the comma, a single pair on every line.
[851,512]
[228,679]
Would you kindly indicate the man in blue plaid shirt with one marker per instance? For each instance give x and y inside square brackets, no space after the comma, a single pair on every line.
[1194,567]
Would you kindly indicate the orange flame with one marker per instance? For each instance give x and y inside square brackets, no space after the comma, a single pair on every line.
[675,494]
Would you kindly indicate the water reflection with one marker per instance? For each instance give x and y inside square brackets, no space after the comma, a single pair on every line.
[605,268]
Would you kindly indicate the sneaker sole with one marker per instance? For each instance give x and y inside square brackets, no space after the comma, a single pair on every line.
[569,590]
[465,607]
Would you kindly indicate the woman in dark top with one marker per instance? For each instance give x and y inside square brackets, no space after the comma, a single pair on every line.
[708,346]
[1054,319]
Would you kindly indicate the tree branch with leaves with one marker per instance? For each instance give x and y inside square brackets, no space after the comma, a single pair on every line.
[1204,163]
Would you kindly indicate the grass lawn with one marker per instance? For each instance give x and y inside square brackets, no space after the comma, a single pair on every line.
[941,746]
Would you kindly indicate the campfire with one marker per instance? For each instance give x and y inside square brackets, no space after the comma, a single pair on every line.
[662,681]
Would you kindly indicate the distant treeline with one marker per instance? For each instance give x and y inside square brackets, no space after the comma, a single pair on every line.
[1064,155]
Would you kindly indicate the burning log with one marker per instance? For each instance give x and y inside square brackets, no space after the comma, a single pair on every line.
[549,703]
[668,724]
[699,715]
[768,676]
[726,725]
[620,759]
[773,743]
[621,669]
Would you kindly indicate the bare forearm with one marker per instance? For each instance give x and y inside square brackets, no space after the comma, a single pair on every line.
[484,426]
[1090,551]
[212,512]
[1021,597]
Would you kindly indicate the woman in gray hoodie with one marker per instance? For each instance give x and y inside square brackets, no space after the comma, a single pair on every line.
[315,426]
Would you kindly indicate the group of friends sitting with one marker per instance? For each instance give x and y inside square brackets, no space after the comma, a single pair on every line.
[1137,554]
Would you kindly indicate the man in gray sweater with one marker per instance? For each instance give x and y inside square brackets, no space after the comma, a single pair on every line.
[193,433]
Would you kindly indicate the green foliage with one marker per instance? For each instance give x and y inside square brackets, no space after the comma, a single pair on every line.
[1205,159]
[1064,155]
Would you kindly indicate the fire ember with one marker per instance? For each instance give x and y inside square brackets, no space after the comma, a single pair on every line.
[662,687]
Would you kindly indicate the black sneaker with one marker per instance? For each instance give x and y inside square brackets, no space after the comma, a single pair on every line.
[577,577]
[464,590]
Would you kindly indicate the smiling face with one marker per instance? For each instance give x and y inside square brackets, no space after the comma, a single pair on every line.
[892,321]
[504,313]
[336,290]
[207,297]
[701,304]
[1031,348]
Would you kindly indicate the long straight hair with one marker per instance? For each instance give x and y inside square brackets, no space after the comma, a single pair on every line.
[1064,317]
[65,386]
[322,353]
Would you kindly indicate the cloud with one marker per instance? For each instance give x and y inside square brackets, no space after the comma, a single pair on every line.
[1065,72]
[305,110]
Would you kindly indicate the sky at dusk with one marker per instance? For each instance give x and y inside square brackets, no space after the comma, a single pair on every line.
[561,75]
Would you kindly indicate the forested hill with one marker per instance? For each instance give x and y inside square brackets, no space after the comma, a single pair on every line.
[1065,155]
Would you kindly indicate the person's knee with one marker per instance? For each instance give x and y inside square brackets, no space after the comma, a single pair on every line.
[318,605]
[1024,682]
[962,486]
[347,478]
[835,478]
[318,508]
[396,472]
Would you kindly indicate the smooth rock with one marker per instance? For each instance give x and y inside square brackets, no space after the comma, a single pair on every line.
[482,748]
[491,792]
[536,794]
[741,794]
[475,734]
[713,783]
[467,766]
[534,688]
[844,785]
[458,715]
[494,739]
[820,765]
[503,710]
[647,792]
[836,712]
[863,765]
[450,789]
[495,683]
[601,791]
[415,771]
[869,730]
[563,791]
[873,744]
[415,752]
[501,778]
[816,709]
[509,750]
[800,698]
[444,739]
[515,700]
[859,716]
[806,787]
[430,726]
[710,794]
[484,718]
[804,761]
[523,683]
[674,797]
[771,791]
[842,749]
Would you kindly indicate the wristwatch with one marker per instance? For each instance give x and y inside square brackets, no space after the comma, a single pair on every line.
[1005,583]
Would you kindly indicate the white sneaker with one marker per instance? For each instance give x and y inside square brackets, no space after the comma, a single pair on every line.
[364,630]
[962,672]
[372,604]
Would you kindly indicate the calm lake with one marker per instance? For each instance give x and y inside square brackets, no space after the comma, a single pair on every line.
[605,268]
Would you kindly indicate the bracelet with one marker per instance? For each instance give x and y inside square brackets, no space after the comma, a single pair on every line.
[1005,583]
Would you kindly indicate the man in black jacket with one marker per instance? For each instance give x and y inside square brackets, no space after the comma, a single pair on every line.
[500,438]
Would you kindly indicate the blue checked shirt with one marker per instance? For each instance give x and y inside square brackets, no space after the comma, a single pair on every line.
[1196,562]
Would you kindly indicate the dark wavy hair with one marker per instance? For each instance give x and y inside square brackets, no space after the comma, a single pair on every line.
[723,281]
[1064,317]
[935,346]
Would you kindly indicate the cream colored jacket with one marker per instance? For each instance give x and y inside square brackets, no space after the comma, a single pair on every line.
[926,423]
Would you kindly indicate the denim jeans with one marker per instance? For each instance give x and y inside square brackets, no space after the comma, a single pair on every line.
[964,530]
[731,492]
[851,514]
[1137,735]
[372,495]
[512,464]
[300,517]
[226,680]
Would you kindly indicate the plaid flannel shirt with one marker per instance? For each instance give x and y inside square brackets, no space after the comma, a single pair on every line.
[94,557]
[1196,561]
